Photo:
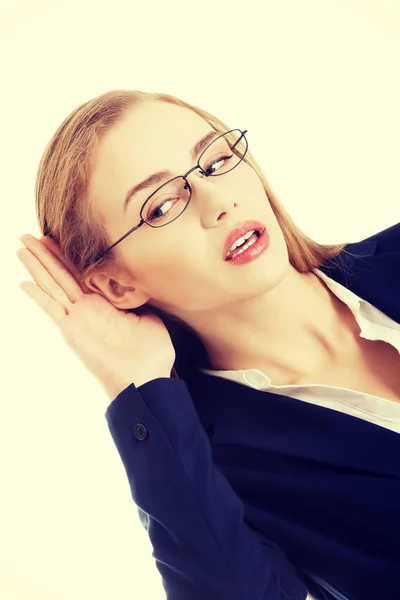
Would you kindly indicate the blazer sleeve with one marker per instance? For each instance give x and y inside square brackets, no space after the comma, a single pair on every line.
[202,546]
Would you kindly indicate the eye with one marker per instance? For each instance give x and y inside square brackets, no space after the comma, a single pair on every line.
[215,162]
[153,214]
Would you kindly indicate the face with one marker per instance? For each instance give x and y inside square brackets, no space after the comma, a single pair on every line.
[180,267]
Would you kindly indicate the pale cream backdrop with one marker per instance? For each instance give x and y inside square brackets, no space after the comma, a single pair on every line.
[316,83]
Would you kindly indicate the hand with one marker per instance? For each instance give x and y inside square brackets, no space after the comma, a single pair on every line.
[118,347]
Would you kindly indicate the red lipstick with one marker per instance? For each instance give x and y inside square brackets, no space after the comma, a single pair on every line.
[255,249]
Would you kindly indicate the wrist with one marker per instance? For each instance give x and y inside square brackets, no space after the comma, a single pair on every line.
[114,388]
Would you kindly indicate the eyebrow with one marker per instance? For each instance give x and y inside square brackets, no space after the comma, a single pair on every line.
[160,176]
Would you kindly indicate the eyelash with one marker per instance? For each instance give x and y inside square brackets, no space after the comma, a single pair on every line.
[221,158]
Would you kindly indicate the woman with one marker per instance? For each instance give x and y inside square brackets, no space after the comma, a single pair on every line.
[267,496]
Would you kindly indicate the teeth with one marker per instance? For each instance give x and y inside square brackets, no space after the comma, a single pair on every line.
[242,240]
[243,248]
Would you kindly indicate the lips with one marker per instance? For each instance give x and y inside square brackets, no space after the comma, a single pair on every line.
[238,232]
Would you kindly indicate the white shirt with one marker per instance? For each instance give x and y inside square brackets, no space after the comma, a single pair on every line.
[374,325]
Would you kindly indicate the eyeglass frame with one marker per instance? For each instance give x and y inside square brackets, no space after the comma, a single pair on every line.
[203,173]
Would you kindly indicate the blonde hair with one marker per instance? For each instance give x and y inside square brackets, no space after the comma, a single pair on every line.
[65,214]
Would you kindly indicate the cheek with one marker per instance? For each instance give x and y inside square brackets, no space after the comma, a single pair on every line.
[256,187]
[180,281]
[168,273]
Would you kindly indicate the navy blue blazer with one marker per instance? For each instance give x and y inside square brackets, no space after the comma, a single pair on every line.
[250,495]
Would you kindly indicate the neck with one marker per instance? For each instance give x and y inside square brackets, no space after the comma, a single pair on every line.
[293,330]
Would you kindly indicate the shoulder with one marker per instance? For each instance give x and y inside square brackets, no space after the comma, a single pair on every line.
[385,241]
[362,254]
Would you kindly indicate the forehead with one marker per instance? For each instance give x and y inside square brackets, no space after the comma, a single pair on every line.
[154,129]
[151,137]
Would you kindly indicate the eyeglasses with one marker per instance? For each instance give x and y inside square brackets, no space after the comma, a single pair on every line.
[171,199]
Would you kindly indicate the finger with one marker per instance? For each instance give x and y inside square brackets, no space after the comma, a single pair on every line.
[48,304]
[54,247]
[55,268]
[43,278]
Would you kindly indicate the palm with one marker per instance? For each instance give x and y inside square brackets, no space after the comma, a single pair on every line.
[113,344]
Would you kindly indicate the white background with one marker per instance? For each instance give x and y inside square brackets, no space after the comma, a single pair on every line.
[316,83]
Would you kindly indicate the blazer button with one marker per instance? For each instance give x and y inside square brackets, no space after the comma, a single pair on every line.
[140,431]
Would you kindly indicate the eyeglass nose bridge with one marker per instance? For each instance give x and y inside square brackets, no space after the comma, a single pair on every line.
[202,173]
[185,177]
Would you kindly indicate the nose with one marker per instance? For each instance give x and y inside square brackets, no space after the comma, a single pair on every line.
[211,201]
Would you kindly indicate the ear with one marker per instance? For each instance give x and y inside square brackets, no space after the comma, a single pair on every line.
[118,291]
